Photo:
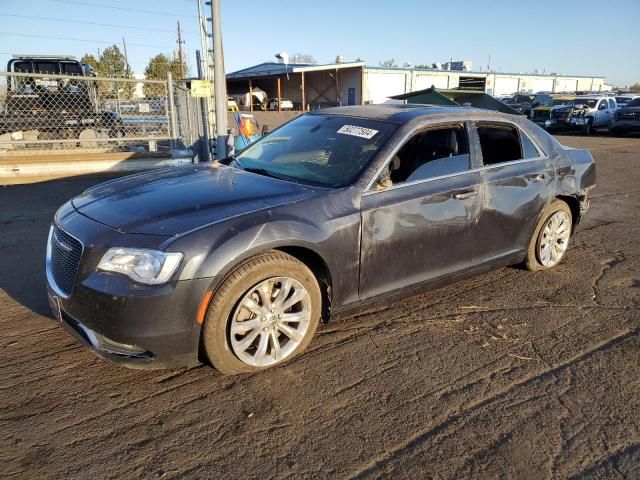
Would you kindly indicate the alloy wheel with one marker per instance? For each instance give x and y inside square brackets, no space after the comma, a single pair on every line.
[554,239]
[270,321]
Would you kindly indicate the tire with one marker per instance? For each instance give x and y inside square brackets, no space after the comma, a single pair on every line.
[227,322]
[534,260]
[588,128]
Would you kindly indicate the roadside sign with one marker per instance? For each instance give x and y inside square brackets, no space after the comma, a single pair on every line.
[201,88]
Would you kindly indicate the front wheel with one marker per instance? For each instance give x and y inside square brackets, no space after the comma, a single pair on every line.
[550,239]
[588,128]
[264,313]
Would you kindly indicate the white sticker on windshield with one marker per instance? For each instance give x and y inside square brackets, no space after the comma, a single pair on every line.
[355,131]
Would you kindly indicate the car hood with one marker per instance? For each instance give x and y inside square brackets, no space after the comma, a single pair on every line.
[176,200]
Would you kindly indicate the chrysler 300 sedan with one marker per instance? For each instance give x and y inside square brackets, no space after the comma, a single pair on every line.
[235,263]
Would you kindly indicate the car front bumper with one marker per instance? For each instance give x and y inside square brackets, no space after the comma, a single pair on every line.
[626,125]
[138,326]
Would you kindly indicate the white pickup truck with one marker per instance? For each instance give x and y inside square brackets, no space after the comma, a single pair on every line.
[596,112]
[587,113]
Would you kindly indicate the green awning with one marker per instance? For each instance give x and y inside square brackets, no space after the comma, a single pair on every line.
[473,98]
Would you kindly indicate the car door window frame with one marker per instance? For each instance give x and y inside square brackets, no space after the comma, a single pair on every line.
[427,125]
[521,132]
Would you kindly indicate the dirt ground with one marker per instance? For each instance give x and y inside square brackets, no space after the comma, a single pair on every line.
[509,375]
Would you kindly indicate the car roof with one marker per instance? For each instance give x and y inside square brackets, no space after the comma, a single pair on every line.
[403,113]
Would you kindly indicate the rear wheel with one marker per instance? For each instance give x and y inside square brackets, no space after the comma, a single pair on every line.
[264,314]
[550,239]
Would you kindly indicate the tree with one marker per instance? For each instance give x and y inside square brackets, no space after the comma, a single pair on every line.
[112,64]
[90,60]
[389,63]
[635,88]
[157,69]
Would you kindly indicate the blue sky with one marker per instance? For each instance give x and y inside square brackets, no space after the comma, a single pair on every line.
[581,37]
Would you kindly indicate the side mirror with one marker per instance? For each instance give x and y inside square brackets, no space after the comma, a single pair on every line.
[265,130]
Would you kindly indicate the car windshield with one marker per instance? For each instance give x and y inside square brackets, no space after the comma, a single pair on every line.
[560,101]
[324,150]
[590,102]
[633,103]
[622,100]
[525,99]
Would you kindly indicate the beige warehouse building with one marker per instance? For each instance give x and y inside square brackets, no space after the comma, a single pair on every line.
[354,83]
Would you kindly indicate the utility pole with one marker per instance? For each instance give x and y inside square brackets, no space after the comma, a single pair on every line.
[180,53]
[219,82]
[207,67]
[126,57]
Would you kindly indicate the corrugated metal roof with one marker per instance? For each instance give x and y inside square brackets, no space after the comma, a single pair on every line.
[474,72]
[273,68]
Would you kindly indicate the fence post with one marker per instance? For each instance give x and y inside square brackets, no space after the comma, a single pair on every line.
[172,111]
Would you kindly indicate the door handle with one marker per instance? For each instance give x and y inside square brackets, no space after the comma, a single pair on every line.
[535,178]
[465,194]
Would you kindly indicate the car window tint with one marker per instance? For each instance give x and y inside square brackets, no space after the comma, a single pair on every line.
[431,153]
[528,148]
[499,143]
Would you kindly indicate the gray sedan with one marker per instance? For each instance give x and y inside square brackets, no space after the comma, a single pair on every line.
[235,263]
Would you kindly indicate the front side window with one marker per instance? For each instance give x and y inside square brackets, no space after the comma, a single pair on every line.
[435,152]
[603,105]
[499,143]
[325,150]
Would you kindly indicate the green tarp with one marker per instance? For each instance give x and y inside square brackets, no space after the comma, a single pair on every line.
[473,98]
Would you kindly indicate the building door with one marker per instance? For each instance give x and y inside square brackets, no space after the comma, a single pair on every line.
[351,96]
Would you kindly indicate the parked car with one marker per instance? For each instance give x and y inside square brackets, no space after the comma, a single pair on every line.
[524,103]
[59,107]
[236,263]
[626,119]
[541,113]
[583,113]
[623,100]
[284,104]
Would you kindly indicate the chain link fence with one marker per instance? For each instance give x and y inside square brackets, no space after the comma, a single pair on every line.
[44,113]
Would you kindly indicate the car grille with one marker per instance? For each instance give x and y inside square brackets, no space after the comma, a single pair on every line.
[560,114]
[65,259]
[540,114]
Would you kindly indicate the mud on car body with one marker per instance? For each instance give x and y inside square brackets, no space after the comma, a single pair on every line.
[235,263]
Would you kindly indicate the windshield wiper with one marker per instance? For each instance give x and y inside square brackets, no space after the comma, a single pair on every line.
[262,171]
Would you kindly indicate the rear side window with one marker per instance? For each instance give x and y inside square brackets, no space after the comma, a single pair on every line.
[528,148]
[499,143]
[612,103]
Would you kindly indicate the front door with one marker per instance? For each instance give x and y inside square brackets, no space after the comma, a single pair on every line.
[351,96]
[418,219]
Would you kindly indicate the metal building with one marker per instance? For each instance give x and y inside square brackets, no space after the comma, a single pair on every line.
[317,86]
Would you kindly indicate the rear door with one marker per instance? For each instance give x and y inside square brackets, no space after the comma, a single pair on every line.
[517,179]
[419,218]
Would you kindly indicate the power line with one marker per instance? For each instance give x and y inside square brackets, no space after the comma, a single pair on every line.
[83,22]
[152,12]
[82,40]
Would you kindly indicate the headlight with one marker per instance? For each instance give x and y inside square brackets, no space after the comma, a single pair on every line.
[152,267]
